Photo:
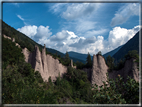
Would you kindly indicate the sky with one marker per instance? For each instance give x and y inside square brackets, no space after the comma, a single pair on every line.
[78,27]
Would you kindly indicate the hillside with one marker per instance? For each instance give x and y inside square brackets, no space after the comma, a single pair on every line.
[132,44]
[79,55]
[23,85]
[25,41]
[111,53]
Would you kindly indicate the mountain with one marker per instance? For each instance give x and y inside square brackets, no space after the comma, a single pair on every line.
[25,41]
[111,53]
[132,44]
[78,55]
[23,85]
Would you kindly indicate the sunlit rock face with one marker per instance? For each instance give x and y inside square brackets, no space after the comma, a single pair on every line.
[99,70]
[50,67]
[45,64]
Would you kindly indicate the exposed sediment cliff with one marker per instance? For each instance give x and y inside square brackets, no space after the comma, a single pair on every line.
[130,69]
[45,64]
[48,66]
[99,70]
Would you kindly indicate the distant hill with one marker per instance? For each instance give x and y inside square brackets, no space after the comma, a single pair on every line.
[132,44]
[25,41]
[111,53]
[78,55]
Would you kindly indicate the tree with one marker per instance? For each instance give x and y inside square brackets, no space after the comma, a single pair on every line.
[67,59]
[99,53]
[79,65]
[132,54]
[89,61]
[110,62]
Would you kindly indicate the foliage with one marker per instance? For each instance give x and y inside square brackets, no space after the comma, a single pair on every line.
[10,53]
[80,65]
[117,92]
[120,64]
[99,53]
[114,65]
[110,62]
[89,61]
[21,85]
[132,54]
[65,60]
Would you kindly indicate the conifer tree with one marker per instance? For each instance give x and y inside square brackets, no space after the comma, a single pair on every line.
[67,58]
[89,61]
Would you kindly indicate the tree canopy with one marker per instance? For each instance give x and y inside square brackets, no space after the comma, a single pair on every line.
[88,61]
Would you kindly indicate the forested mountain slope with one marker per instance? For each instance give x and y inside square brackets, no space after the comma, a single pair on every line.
[111,53]
[132,44]
[25,41]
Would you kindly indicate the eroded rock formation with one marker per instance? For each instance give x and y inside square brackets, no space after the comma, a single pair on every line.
[45,64]
[99,70]
[129,69]
[48,66]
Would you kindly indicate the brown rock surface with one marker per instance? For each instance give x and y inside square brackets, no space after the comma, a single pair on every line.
[99,70]
[45,64]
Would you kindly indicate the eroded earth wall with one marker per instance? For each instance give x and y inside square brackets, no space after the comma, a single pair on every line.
[45,64]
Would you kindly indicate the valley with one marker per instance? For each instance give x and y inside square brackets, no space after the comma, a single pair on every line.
[46,76]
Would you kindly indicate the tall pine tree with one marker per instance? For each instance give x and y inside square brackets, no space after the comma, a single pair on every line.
[67,58]
[89,61]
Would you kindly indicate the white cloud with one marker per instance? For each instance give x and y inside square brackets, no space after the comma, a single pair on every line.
[119,36]
[68,41]
[80,17]
[77,10]
[35,32]
[43,32]
[124,13]
[83,26]
[28,30]
[19,16]
[95,32]
[60,36]
[58,7]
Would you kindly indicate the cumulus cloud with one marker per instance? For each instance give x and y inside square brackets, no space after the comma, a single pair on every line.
[68,41]
[83,42]
[119,36]
[60,36]
[124,13]
[79,16]
[43,32]
[28,30]
[35,32]
[77,10]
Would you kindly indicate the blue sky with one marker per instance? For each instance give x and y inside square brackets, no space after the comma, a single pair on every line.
[79,27]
